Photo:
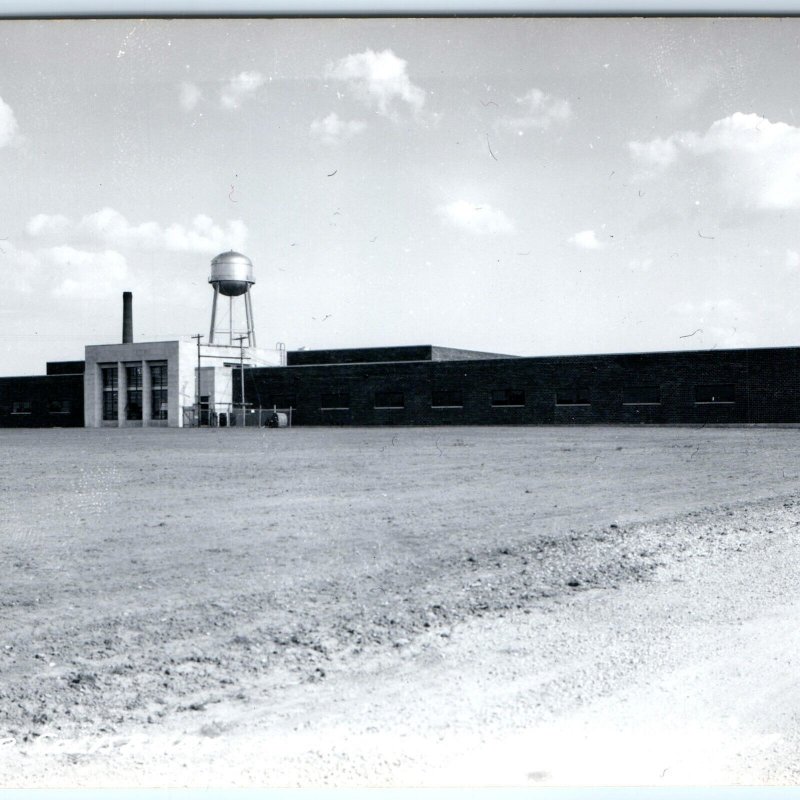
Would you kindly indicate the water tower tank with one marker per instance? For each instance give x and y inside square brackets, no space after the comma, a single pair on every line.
[232,273]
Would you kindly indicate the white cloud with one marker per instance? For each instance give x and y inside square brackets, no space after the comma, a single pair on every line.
[190,96]
[587,240]
[64,271]
[82,273]
[203,236]
[47,224]
[332,130]
[756,163]
[378,79]
[479,219]
[8,124]
[537,110]
[792,259]
[658,153]
[108,228]
[240,87]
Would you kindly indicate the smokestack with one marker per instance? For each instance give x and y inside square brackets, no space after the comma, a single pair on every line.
[127,317]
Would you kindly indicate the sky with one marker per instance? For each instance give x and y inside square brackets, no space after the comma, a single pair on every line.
[520,186]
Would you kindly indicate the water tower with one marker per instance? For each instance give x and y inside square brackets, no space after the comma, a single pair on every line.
[232,277]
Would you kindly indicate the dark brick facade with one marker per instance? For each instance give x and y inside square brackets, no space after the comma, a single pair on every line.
[42,401]
[439,386]
[718,386]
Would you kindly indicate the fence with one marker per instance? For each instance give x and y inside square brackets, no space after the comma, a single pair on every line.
[226,415]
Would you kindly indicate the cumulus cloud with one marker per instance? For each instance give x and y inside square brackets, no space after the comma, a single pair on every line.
[657,153]
[792,259]
[82,273]
[537,110]
[204,236]
[478,219]
[587,240]
[64,271]
[756,162]
[8,124]
[87,257]
[378,79]
[190,96]
[332,130]
[239,88]
[108,228]
[47,224]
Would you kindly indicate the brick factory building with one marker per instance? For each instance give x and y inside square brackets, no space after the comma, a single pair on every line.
[425,385]
[180,383]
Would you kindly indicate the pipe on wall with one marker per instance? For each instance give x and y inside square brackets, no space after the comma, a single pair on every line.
[127,317]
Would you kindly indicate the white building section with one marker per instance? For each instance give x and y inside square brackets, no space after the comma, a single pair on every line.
[176,383]
[152,384]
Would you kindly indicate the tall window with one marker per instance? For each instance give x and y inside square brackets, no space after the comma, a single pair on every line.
[158,391]
[110,393]
[133,406]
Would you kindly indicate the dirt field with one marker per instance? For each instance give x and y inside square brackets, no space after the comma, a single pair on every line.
[396,607]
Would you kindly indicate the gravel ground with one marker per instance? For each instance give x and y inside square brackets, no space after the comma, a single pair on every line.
[400,607]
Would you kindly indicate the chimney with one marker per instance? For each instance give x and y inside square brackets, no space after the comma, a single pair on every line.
[127,317]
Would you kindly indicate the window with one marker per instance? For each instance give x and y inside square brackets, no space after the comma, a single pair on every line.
[447,398]
[641,395]
[110,393]
[572,397]
[508,397]
[21,407]
[59,407]
[158,391]
[715,393]
[133,407]
[335,401]
[390,400]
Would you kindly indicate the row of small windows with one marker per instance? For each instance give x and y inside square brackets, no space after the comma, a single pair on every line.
[133,392]
[53,407]
[706,394]
[515,398]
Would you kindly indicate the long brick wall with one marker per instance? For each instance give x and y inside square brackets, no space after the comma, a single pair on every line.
[41,401]
[699,387]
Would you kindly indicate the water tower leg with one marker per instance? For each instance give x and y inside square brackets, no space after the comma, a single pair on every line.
[251,330]
[213,315]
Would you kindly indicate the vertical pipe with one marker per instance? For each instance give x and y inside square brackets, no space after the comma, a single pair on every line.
[251,330]
[127,317]
[213,314]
